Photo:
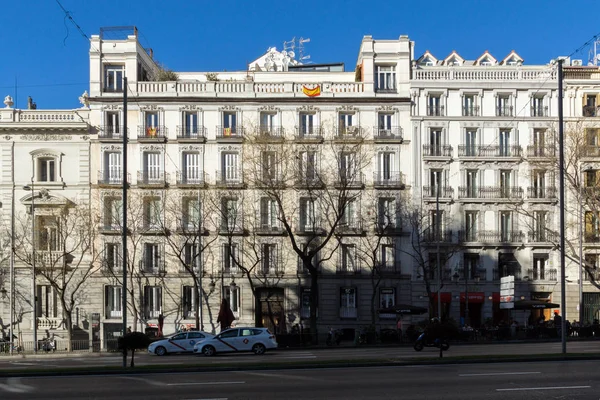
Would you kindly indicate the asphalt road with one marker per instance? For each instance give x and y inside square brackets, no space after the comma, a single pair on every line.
[56,361]
[514,381]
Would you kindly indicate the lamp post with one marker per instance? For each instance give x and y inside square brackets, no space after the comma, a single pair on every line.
[33,272]
[581,222]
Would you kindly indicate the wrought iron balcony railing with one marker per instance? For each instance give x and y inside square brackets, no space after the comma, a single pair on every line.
[388,179]
[158,132]
[270,132]
[539,111]
[225,132]
[309,133]
[539,192]
[191,132]
[538,151]
[444,192]
[542,236]
[111,132]
[542,274]
[152,178]
[111,177]
[501,236]
[433,150]
[489,151]
[504,111]
[470,111]
[435,111]
[490,192]
[389,134]
[193,178]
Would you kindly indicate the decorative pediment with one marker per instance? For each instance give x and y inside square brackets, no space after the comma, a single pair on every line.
[386,108]
[268,108]
[152,147]
[151,107]
[111,147]
[386,149]
[46,153]
[190,107]
[486,59]
[307,108]
[112,107]
[427,60]
[229,147]
[453,59]
[42,197]
[349,108]
[190,147]
[512,59]
[229,107]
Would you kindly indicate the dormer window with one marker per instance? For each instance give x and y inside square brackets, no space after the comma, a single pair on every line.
[113,78]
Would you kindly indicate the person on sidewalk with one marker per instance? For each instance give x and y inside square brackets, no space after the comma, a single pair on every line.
[558,323]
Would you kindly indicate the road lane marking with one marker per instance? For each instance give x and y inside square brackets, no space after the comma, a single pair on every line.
[14,385]
[206,383]
[220,398]
[501,373]
[303,357]
[544,388]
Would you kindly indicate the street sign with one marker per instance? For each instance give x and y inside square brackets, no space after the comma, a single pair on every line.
[507,292]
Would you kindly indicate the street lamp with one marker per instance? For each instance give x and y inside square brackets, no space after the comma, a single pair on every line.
[33,272]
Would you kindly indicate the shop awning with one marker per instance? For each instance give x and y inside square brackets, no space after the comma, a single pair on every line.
[474,297]
[446,297]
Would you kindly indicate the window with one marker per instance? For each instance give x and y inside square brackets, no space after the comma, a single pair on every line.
[151,258]
[267,123]
[471,143]
[308,124]
[472,180]
[386,78]
[471,266]
[307,165]
[189,299]
[348,168]
[305,303]
[113,78]
[46,169]
[537,108]
[230,168]
[112,125]
[387,213]
[539,271]
[504,148]
[435,107]
[508,265]
[152,167]
[229,334]
[387,297]
[436,182]
[152,301]
[152,213]
[506,226]
[386,161]
[112,302]
[191,219]
[435,143]
[191,167]
[47,304]
[350,217]
[471,222]
[48,238]
[436,224]
[388,257]
[230,257]
[504,107]
[308,219]
[539,142]
[151,124]
[232,295]
[315,259]
[269,258]
[113,172]
[591,267]
[346,124]
[230,123]
[590,101]
[269,214]
[592,226]
[348,261]
[192,258]
[384,124]
[113,213]
[231,218]
[112,257]
[348,302]
[592,178]
[505,179]
[269,166]
[538,181]
[190,124]
[469,107]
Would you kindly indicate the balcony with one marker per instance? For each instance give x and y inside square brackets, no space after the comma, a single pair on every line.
[469,236]
[110,313]
[389,268]
[49,258]
[388,229]
[592,151]
[490,193]
[388,180]
[348,312]
[152,179]
[430,235]
[504,111]
[590,111]
[347,268]
[542,236]
[349,228]
[226,179]
[151,267]
[109,133]
[108,227]
[275,269]
[431,193]
[504,272]
[542,274]
[349,180]
[111,178]
[309,134]
[265,228]
[539,193]
[591,237]
[230,134]
[308,228]
[539,111]
[435,111]
[232,228]
[270,180]
[490,151]
[198,179]
[309,181]
[437,151]
[470,111]
[475,273]
[49,323]
[152,133]
[392,135]
[191,134]
[538,151]
[270,133]
[501,236]
[348,133]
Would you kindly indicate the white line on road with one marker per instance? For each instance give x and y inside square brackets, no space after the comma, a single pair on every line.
[206,383]
[301,357]
[14,385]
[544,388]
[501,373]
[220,398]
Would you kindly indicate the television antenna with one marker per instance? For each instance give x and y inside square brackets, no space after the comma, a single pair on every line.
[594,53]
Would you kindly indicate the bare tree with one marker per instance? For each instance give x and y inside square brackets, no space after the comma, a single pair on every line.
[64,252]
[311,181]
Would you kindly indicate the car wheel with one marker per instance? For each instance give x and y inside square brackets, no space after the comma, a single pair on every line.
[209,351]
[418,346]
[160,351]
[259,348]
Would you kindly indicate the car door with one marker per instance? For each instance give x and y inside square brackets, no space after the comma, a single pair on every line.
[192,339]
[247,338]
[227,341]
[177,343]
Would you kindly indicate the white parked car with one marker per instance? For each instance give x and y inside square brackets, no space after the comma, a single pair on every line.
[257,340]
[182,342]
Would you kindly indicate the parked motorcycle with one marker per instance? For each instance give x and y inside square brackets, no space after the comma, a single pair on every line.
[422,342]
[49,345]
[334,337]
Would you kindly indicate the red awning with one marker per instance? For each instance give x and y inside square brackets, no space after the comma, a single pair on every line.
[496,297]
[474,297]
[445,296]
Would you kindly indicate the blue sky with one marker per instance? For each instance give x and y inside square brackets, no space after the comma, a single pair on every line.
[49,57]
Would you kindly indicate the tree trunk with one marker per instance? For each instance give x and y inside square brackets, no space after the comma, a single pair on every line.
[257,308]
[197,304]
[314,304]
[373,310]
[69,322]
[132,355]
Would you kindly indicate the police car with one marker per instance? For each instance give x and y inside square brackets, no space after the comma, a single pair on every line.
[182,342]
[256,340]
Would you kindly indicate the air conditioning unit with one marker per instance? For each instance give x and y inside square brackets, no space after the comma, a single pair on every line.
[576,63]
